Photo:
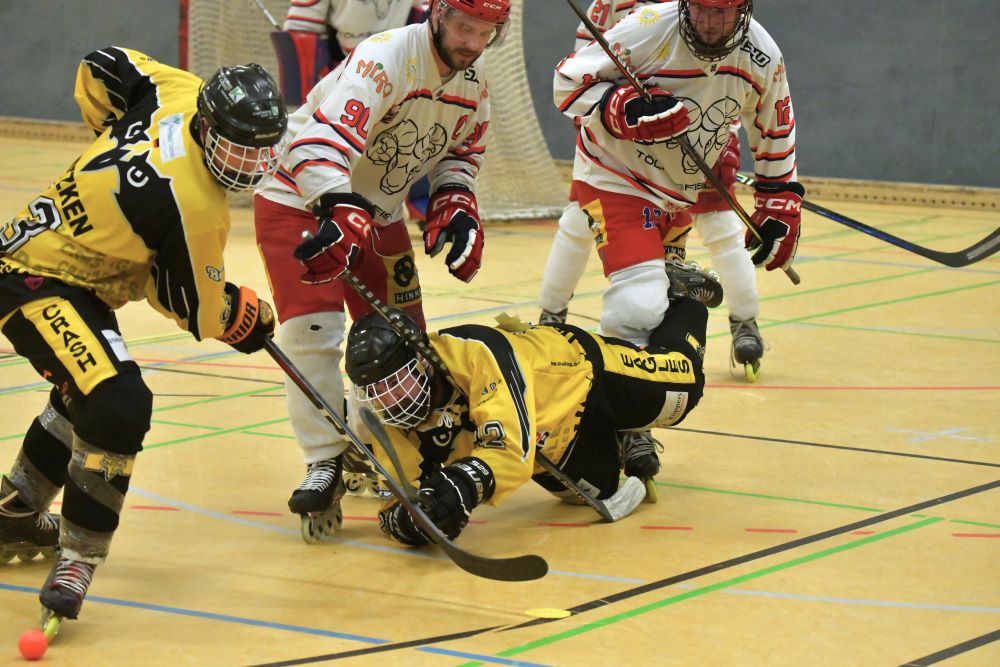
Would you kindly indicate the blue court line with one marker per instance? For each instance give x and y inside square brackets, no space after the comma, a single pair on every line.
[301,629]
[384,548]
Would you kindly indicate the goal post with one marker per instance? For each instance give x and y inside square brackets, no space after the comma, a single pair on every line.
[519,180]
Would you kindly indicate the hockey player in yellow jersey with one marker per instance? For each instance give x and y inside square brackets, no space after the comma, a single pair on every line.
[553,389]
[141,214]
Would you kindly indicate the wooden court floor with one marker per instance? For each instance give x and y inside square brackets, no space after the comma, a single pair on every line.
[844,510]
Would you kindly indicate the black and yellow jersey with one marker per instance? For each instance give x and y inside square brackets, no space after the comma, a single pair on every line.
[138,214]
[533,388]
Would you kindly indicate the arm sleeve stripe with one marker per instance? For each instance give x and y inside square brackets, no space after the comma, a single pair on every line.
[322,162]
[510,369]
[318,141]
[782,178]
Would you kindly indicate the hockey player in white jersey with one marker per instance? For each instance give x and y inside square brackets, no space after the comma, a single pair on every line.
[407,103]
[717,224]
[707,65]
[319,34]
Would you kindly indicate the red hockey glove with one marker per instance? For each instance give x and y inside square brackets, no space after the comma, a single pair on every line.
[725,169]
[249,320]
[777,214]
[344,223]
[627,115]
[453,216]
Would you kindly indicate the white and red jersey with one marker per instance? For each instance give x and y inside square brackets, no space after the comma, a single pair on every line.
[749,85]
[604,14]
[354,20]
[382,120]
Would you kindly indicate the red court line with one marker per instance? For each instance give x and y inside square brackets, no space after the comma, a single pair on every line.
[770,530]
[975,534]
[553,524]
[863,532]
[666,527]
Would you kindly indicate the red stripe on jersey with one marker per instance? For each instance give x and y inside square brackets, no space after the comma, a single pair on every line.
[420,92]
[679,73]
[321,162]
[778,134]
[631,177]
[472,150]
[781,178]
[737,72]
[306,19]
[776,156]
[319,140]
[304,3]
[287,180]
[459,101]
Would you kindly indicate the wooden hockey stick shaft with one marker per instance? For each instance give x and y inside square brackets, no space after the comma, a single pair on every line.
[974,253]
[519,568]
[428,353]
[681,139]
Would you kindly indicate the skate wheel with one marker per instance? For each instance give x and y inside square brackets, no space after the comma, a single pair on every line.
[310,531]
[50,623]
[6,556]
[28,554]
[751,372]
[652,494]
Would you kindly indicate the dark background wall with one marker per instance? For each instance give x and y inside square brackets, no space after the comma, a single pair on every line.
[899,90]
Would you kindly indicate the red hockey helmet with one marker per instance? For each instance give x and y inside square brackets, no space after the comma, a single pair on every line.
[496,12]
[714,31]
[491,11]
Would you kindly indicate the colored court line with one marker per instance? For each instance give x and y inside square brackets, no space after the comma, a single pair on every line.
[952,651]
[739,560]
[698,592]
[270,625]
[787,441]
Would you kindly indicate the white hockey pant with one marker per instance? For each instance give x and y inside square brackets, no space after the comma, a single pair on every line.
[635,302]
[567,259]
[314,344]
[722,233]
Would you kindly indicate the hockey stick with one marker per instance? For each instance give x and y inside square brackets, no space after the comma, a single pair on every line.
[682,140]
[620,505]
[518,568]
[267,14]
[975,252]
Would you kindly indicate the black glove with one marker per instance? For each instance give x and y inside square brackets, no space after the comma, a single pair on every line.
[448,497]
[250,321]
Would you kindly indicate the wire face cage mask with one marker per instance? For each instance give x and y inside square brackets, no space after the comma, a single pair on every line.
[712,17]
[402,399]
[235,166]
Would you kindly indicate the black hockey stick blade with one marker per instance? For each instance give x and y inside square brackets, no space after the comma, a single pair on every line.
[518,568]
[974,253]
[521,568]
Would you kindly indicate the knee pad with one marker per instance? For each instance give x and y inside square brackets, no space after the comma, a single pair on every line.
[575,224]
[684,328]
[115,415]
[635,301]
[314,343]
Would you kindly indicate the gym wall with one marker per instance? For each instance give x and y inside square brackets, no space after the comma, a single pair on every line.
[895,90]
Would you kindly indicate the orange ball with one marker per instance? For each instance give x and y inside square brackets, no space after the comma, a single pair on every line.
[33,644]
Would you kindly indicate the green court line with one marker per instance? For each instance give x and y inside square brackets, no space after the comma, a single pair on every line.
[262,434]
[202,436]
[763,496]
[704,590]
[222,397]
[184,425]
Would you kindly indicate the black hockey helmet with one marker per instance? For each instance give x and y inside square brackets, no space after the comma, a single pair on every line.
[388,375]
[711,16]
[243,119]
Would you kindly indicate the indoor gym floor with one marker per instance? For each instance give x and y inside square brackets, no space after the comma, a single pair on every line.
[844,510]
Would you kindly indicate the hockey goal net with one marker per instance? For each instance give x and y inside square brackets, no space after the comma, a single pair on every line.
[519,181]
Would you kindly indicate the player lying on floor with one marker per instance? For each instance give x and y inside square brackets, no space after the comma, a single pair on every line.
[558,390]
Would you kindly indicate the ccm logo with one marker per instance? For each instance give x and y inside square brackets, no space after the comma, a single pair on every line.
[779,204]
